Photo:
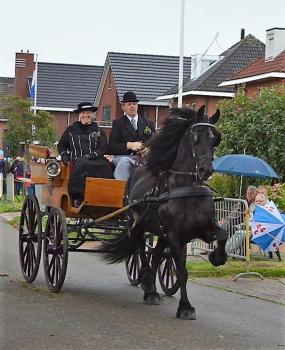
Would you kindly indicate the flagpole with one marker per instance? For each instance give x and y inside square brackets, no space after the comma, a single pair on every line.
[36,85]
[180,83]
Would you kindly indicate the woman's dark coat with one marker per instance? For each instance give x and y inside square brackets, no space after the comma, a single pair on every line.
[84,146]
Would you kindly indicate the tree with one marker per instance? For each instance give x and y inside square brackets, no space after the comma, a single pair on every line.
[24,126]
[255,126]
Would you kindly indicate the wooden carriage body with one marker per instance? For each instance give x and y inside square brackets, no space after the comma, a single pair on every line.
[102,196]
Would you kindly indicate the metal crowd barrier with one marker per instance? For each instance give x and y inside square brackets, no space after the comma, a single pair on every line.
[230,214]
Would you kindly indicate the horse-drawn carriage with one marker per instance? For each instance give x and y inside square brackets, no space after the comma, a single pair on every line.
[165,197]
[63,228]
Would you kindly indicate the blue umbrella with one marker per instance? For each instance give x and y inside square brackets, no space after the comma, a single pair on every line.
[268,227]
[242,164]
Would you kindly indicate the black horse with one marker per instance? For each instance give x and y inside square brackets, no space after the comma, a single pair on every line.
[176,205]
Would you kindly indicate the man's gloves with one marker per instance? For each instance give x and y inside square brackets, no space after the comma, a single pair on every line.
[65,158]
[135,146]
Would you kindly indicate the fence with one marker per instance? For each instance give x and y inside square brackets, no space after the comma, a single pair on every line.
[230,214]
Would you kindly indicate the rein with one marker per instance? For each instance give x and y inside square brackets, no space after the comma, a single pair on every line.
[182,192]
[191,173]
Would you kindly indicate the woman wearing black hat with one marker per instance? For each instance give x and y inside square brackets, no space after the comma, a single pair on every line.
[84,144]
[128,135]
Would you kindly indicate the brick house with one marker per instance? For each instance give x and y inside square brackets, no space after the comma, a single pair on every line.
[267,71]
[206,89]
[7,87]
[60,87]
[147,75]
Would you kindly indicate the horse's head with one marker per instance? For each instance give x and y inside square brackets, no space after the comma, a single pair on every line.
[185,129]
[204,138]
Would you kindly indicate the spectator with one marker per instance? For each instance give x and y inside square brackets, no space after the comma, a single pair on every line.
[262,200]
[4,169]
[17,169]
[128,135]
[250,198]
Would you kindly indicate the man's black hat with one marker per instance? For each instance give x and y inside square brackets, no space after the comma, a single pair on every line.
[129,96]
[85,106]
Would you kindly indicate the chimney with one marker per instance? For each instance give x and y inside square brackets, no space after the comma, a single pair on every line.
[24,67]
[242,32]
[275,42]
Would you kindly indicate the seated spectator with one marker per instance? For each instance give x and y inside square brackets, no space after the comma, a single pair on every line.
[262,200]
[250,197]
[84,144]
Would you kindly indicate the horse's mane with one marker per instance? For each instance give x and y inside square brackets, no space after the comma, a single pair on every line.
[163,146]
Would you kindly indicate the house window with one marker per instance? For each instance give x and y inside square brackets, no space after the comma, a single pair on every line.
[107,113]
[145,111]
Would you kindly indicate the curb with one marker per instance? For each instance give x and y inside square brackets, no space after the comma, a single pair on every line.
[253,293]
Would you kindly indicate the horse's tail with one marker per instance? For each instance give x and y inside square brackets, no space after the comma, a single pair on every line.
[119,249]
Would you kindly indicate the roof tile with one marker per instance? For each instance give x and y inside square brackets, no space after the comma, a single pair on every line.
[148,76]
[65,85]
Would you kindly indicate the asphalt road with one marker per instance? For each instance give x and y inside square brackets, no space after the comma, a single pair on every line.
[98,309]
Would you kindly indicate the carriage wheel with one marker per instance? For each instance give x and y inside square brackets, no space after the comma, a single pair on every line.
[133,263]
[133,266]
[30,238]
[167,272]
[55,254]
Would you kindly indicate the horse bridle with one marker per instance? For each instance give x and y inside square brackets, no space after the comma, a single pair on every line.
[211,126]
[195,157]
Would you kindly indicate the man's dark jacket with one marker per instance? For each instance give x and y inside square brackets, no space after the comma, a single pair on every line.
[80,140]
[123,132]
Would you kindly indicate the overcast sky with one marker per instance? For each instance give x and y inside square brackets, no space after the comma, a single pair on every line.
[83,31]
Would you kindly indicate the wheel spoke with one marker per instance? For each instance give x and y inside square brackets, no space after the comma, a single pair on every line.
[172,271]
[132,264]
[163,263]
[25,260]
[168,272]
[137,270]
[33,254]
[26,220]
[52,269]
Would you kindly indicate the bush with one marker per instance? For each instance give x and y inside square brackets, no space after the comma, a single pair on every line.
[229,186]
[226,186]
[277,194]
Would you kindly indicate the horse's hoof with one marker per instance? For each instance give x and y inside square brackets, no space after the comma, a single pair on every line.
[187,315]
[151,299]
[216,259]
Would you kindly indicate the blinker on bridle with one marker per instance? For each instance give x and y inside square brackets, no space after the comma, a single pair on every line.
[195,158]
[211,126]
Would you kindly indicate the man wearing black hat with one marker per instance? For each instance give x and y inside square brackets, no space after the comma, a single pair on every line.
[84,144]
[128,135]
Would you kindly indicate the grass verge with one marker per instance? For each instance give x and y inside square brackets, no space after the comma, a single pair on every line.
[267,268]
[8,207]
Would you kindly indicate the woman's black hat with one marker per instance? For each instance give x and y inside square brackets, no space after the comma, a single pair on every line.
[85,106]
[129,96]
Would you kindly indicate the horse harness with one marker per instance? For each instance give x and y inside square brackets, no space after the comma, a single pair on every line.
[160,194]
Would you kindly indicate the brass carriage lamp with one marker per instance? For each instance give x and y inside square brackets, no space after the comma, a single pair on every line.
[53,169]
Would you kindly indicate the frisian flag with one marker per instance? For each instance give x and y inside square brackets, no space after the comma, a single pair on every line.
[33,85]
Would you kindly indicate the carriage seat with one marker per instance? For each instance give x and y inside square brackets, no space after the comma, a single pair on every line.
[39,151]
